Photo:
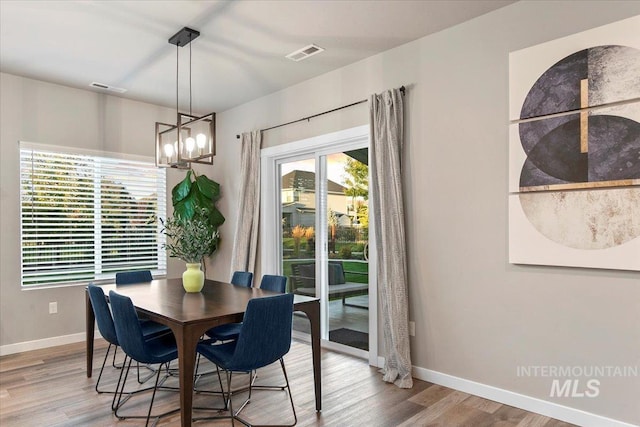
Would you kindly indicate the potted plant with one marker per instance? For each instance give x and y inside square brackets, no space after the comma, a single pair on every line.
[192,232]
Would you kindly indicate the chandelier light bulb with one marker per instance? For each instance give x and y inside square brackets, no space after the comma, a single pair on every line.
[168,150]
[201,139]
[190,144]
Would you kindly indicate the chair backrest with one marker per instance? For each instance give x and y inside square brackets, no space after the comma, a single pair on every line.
[103,314]
[128,328]
[265,335]
[242,278]
[274,283]
[129,277]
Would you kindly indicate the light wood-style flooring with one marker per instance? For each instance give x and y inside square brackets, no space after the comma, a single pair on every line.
[49,388]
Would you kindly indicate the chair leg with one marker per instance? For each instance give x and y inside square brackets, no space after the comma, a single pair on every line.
[213,392]
[158,384]
[198,375]
[153,396]
[247,400]
[229,373]
[113,362]
[147,378]
[253,376]
[235,415]
[221,387]
[265,387]
[196,370]
[104,362]
[288,389]
[120,386]
[286,379]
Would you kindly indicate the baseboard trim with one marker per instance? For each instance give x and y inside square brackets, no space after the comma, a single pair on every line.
[20,347]
[528,403]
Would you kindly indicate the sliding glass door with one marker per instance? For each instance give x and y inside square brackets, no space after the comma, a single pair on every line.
[320,201]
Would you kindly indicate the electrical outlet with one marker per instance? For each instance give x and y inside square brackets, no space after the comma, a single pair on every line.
[53,307]
[412,328]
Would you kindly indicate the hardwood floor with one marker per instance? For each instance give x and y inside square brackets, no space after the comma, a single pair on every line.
[49,388]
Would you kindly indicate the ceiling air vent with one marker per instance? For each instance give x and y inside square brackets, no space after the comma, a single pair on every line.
[305,52]
[103,86]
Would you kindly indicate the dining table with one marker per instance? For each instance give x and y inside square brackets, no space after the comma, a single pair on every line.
[190,315]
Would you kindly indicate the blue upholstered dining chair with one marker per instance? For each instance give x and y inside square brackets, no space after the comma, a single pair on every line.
[265,337]
[242,278]
[274,283]
[129,277]
[159,349]
[107,328]
[230,331]
[140,276]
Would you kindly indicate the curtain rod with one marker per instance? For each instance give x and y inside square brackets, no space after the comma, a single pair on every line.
[402,89]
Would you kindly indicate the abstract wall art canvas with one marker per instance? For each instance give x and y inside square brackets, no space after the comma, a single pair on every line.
[574,150]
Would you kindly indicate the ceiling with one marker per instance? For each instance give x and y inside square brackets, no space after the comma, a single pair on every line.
[239,56]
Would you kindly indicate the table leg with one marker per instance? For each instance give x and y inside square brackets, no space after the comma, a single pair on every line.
[186,342]
[312,310]
[314,319]
[90,319]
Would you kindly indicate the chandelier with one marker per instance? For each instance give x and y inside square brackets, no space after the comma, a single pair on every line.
[192,139]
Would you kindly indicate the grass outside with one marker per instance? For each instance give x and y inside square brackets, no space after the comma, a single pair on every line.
[356,271]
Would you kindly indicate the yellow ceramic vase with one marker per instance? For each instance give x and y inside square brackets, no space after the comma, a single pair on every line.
[193,278]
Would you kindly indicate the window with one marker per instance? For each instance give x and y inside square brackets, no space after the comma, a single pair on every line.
[85,217]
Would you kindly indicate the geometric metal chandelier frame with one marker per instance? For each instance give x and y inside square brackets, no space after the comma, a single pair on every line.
[192,139]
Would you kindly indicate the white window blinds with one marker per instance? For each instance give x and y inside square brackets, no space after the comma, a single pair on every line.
[85,217]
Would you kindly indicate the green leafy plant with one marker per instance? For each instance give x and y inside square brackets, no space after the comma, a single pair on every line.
[192,232]
[197,192]
[191,240]
[345,252]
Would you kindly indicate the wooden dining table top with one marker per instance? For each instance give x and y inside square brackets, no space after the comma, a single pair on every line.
[168,299]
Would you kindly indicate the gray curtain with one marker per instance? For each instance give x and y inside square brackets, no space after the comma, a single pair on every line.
[387,135]
[245,245]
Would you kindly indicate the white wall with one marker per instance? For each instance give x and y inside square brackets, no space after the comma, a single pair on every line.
[477,317]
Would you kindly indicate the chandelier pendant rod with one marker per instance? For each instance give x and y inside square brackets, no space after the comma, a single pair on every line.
[190,112]
[177,79]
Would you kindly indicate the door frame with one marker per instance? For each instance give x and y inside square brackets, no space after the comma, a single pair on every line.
[270,216]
